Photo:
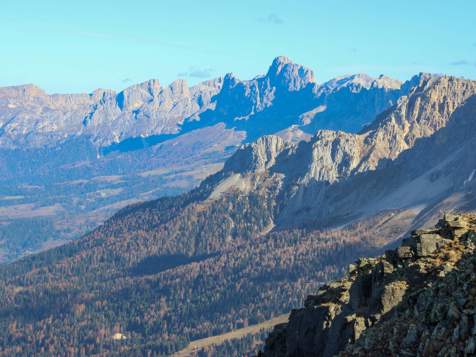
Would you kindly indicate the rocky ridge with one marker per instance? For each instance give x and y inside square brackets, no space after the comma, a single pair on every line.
[416,300]
[313,174]
[32,118]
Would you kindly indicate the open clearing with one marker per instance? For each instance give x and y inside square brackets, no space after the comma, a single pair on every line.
[219,339]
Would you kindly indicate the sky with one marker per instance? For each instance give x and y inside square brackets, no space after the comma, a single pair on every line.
[78,46]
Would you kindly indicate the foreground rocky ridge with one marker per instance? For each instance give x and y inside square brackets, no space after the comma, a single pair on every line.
[416,300]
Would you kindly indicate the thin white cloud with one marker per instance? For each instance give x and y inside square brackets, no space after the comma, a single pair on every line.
[197,72]
[463,63]
[273,19]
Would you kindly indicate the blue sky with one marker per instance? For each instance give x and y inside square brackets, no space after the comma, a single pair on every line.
[77,46]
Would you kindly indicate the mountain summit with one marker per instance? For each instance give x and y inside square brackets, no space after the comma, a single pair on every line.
[288,75]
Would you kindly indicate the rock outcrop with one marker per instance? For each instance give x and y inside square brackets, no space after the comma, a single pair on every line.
[283,73]
[416,300]
[426,109]
[256,157]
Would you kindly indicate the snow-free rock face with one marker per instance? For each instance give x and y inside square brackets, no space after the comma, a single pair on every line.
[357,81]
[348,101]
[415,300]
[148,109]
[285,74]
[35,119]
[426,109]
[256,157]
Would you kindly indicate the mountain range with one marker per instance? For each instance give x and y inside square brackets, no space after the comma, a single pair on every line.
[285,214]
[288,94]
[68,162]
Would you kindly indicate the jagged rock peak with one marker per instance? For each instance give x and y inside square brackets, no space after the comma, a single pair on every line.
[360,80]
[430,102]
[179,87]
[418,299]
[230,80]
[134,96]
[383,81]
[283,72]
[420,81]
[102,94]
[151,85]
[25,90]
[257,156]
[278,64]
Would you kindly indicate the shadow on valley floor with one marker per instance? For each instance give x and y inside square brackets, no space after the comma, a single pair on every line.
[158,263]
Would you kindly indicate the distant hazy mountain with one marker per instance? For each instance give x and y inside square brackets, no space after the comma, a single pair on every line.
[67,162]
[253,239]
[30,118]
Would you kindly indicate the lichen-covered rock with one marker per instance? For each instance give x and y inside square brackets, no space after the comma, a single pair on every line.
[399,304]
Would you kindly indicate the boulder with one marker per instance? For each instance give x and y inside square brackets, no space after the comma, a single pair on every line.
[392,295]
[426,244]
[404,252]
